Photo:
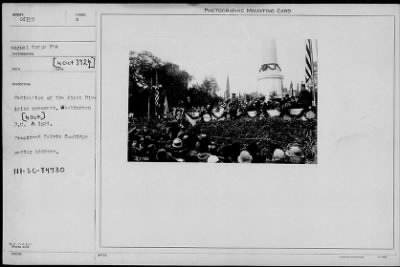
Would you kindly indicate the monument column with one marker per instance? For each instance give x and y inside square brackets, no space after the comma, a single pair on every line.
[269,78]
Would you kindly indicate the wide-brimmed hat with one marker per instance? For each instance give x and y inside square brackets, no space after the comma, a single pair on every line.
[162,154]
[294,151]
[177,143]
[278,154]
[245,157]
[213,159]
[206,117]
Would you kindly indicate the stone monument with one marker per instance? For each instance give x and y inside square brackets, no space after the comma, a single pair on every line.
[269,78]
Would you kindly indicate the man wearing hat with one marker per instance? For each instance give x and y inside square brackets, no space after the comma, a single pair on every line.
[295,155]
[213,159]
[245,157]
[177,151]
[278,156]
[305,97]
[163,156]
[233,106]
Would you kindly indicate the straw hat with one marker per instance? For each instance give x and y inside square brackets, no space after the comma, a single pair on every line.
[245,157]
[177,143]
[213,159]
[278,154]
[294,151]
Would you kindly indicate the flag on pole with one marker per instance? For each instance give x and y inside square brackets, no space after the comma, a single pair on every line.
[309,76]
[309,62]
[157,96]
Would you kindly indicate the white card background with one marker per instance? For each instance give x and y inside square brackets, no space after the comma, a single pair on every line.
[345,201]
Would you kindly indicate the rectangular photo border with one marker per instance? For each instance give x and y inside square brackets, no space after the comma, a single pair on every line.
[99,168]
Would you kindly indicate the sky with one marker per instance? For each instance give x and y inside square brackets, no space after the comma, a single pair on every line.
[221,46]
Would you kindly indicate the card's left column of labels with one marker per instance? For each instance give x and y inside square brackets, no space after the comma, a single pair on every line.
[49,73]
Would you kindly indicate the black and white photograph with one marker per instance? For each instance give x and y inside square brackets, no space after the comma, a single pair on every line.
[307,98]
[102,102]
[224,101]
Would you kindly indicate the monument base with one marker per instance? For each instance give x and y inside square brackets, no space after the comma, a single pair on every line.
[270,84]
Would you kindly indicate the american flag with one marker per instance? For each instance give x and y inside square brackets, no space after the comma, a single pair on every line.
[157,94]
[157,97]
[309,61]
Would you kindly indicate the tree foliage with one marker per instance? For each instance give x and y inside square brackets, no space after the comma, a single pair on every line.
[145,69]
[201,95]
[210,86]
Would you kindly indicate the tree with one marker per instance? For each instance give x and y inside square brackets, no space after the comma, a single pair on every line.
[144,70]
[144,67]
[210,86]
[200,96]
[141,66]
[174,81]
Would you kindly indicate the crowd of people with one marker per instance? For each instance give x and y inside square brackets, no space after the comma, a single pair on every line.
[236,107]
[170,141]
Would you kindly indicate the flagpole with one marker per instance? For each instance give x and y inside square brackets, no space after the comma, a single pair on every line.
[309,70]
[312,74]
[155,97]
[316,54]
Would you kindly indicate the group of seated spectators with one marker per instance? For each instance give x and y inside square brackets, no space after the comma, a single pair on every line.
[283,104]
[236,108]
[171,142]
